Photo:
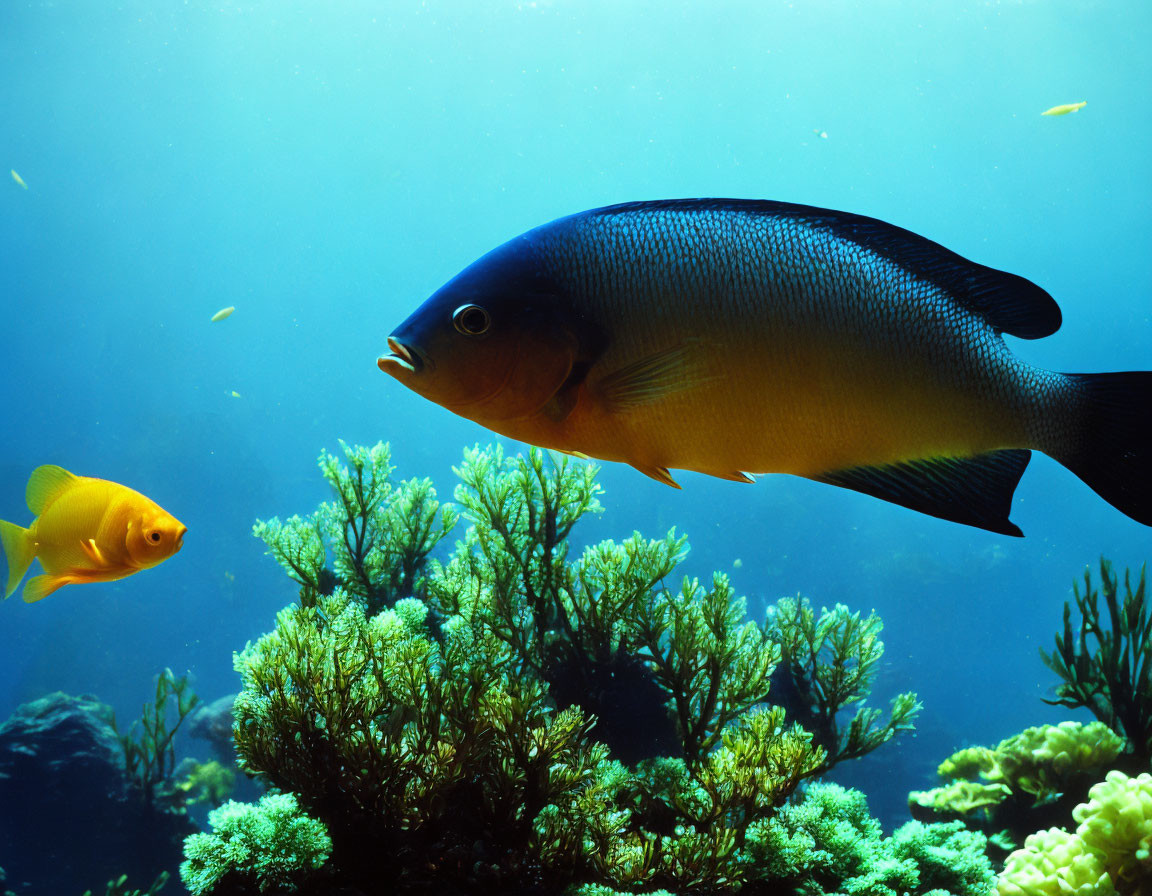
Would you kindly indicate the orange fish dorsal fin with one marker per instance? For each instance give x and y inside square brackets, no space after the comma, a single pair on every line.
[46,484]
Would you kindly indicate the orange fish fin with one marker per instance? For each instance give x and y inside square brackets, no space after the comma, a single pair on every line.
[734,477]
[20,551]
[976,491]
[660,474]
[46,484]
[578,454]
[654,376]
[39,587]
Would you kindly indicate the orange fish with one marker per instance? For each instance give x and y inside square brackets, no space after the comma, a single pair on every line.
[86,530]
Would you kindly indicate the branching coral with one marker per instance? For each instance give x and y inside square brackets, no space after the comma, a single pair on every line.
[1106,667]
[270,846]
[829,663]
[378,534]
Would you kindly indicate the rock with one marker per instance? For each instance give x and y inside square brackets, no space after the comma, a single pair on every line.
[69,818]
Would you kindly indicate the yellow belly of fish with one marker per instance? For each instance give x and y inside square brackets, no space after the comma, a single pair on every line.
[811,414]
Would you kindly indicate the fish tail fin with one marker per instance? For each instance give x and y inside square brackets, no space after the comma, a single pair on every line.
[20,551]
[1111,448]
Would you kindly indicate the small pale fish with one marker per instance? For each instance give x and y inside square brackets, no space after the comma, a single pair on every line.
[235,394]
[223,313]
[19,180]
[1065,108]
[737,563]
[85,530]
[732,337]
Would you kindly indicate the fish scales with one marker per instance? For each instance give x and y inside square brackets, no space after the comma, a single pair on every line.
[799,290]
[730,336]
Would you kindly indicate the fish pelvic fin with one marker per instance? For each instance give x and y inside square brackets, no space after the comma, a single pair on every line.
[20,551]
[976,491]
[39,587]
[1111,450]
[45,485]
[660,474]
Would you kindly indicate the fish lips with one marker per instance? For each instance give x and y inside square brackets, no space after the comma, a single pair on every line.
[404,359]
[179,543]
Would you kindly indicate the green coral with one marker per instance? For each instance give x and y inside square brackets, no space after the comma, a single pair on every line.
[828,843]
[1105,664]
[207,782]
[605,724]
[270,845]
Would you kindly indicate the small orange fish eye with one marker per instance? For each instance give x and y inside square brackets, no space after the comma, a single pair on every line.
[154,536]
[471,320]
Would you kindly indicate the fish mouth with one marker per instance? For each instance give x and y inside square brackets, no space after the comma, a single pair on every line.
[180,537]
[403,357]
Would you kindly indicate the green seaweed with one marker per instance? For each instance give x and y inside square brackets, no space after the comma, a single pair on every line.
[119,887]
[605,725]
[149,753]
[1105,665]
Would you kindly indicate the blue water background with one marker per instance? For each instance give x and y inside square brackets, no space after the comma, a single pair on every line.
[323,166]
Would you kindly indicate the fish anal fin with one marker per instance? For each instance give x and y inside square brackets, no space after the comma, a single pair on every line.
[653,376]
[660,474]
[976,491]
[579,455]
[735,477]
[39,587]
[46,484]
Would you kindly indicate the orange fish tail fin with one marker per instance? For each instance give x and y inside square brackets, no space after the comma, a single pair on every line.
[20,551]
[39,587]
[1111,449]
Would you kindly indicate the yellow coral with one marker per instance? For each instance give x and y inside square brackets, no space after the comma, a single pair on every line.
[1117,822]
[967,763]
[961,797]
[1040,760]
[1055,863]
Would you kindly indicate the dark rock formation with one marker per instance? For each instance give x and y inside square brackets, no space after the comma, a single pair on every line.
[69,818]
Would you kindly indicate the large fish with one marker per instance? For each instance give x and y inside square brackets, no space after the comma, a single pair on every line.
[734,337]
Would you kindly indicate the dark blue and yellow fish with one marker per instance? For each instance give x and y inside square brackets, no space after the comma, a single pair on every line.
[734,337]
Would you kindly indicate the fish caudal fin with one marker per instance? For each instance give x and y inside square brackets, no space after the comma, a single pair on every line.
[976,491]
[1112,451]
[20,551]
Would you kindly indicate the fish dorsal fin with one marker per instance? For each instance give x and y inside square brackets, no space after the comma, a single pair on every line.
[976,491]
[653,376]
[1010,304]
[45,485]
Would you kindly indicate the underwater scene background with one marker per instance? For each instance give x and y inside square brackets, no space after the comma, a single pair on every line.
[323,167]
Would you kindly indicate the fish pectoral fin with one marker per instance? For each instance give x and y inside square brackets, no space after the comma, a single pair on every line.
[39,587]
[654,376]
[660,474]
[92,552]
[976,491]
[577,454]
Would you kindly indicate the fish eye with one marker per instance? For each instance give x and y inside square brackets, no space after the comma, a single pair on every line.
[471,320]
[154,536]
